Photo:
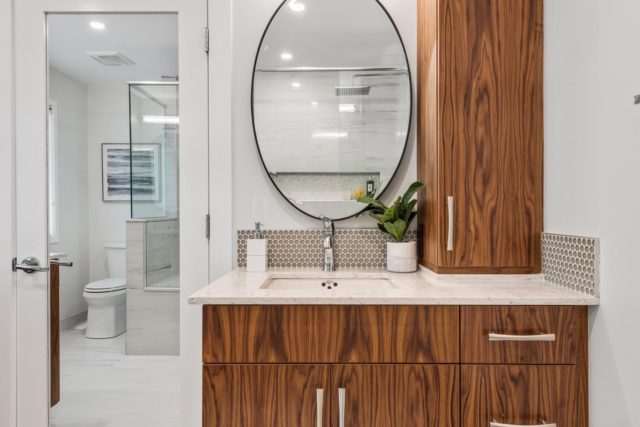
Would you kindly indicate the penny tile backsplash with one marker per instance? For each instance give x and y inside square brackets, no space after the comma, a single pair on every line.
[572,262]
[354,248]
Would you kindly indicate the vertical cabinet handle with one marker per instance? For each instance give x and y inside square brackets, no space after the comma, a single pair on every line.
[342,397]
[449,223]
[495,424]
[319,405]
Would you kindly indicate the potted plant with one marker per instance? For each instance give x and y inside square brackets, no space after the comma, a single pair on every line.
[395,221]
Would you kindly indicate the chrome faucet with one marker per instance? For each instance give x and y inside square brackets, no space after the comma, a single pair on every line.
[327,244]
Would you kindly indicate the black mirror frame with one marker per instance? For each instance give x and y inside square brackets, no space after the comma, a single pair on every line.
[406,141]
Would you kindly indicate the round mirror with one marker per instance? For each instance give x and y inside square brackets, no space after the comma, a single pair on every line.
[331,103]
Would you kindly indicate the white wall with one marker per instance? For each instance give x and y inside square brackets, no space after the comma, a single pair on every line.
[72,189]
[592,147]
[108,122]
[7,220]
[255,198]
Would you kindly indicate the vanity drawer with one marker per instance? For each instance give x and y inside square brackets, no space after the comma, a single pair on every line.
[330,334]
[522,395]
[523,334]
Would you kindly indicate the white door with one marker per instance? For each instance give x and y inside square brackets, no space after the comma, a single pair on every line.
[31,296]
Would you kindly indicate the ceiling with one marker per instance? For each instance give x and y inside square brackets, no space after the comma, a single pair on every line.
[149,40]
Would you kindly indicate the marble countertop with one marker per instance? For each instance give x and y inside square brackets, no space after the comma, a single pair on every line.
[420,288]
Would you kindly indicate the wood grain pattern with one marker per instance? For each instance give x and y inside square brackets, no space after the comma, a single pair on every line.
[331,334]
[486,145]
[582,367]
[264,395]
[428,134]
[397,395]
[54,325]
[520,395]
[391,334]
[567,322]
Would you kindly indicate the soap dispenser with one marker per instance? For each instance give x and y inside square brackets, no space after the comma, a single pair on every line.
[257,251]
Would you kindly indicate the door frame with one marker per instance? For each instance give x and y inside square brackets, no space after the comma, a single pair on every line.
[7,219]
[29,393]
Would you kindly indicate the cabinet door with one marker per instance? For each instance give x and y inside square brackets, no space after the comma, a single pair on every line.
[522,395]
[394,395]
[492,133]
[265,395]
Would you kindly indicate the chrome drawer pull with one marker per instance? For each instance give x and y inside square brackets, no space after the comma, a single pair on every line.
[450,223]
[319,405]
[503,337]
[342,397]
[495,424]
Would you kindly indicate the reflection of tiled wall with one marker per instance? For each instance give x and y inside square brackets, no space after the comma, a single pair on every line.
[572,262]
[354,248]
[323,186]
[152,258]
[162,253]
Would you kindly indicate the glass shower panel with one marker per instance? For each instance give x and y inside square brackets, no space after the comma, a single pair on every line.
[154,122]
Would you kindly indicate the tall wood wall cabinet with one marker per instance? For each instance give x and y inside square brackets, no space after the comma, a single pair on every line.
[480,135]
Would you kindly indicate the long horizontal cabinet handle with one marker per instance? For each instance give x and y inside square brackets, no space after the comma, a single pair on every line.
[505,337]
[495,424]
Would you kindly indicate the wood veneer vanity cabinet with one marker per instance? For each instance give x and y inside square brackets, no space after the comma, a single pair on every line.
[480,135]
[393,366]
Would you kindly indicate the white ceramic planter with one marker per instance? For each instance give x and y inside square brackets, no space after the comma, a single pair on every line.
[402,257]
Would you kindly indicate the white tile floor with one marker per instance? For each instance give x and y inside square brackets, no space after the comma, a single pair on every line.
[101,387]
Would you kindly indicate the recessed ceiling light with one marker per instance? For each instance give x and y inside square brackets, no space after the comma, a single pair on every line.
[97,25]
[295,85]
[314,103]
[295,6]
[286,56]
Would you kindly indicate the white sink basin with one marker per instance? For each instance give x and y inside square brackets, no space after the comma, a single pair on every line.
[328,284]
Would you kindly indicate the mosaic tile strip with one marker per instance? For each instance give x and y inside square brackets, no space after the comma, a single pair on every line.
[572,262]
[354,248]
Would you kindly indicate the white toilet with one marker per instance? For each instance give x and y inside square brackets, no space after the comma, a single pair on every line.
[107,298]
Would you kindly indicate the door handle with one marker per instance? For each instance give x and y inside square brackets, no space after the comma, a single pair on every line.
[342,398]
[29,265]
[61,263]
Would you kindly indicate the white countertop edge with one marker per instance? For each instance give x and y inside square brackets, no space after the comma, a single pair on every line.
[570,301]
[424,287]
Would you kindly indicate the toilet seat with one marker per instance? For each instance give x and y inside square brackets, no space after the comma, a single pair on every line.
[105,286]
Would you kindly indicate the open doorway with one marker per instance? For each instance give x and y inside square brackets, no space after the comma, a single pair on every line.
[113,145]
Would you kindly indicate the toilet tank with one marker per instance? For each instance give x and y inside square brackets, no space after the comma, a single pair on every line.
[116,259]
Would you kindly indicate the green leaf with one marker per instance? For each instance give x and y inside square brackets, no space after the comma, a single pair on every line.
[401,229]
[372,202]
[397,229]
[391,229]
[408,210]
[413,189]
[376,217]
[390,214]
